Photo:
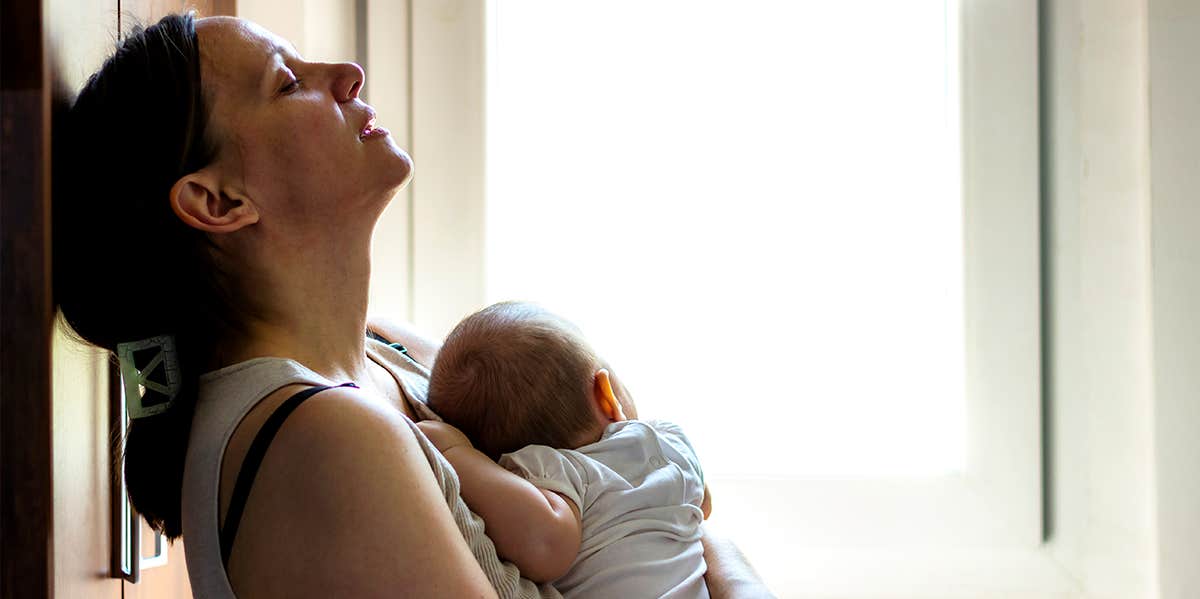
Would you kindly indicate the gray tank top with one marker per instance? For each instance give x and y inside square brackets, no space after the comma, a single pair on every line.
[228,394]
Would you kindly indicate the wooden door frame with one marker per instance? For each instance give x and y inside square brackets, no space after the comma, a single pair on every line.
[26,308]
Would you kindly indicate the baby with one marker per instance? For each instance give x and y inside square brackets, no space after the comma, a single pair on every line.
[584,494]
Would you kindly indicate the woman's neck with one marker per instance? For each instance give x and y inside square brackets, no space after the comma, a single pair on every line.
[312,308]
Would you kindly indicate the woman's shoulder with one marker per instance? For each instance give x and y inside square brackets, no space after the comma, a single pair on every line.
[344,437]
[342,421]
[325,425]
[336,425]
[345,469]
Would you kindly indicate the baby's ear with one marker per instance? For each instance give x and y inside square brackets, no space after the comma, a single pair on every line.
[606,400]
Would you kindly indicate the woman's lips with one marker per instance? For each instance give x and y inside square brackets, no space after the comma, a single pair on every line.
[369,130]
[372,132]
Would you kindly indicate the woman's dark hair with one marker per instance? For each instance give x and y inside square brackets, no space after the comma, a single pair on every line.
[125,266]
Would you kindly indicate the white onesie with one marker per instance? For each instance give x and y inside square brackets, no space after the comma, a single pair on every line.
[639,490]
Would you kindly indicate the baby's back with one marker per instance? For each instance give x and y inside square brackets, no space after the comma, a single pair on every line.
[639,490]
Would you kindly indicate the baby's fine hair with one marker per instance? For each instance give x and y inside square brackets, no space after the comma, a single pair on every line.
[514,374]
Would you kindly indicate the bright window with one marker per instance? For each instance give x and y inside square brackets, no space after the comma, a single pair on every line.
[752,212]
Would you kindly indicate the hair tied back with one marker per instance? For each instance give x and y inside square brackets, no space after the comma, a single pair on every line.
[151,365]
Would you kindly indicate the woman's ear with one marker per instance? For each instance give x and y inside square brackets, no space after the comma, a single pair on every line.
[199,201]
[606,400]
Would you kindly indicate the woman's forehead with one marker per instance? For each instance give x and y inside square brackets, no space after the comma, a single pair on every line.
[239,51]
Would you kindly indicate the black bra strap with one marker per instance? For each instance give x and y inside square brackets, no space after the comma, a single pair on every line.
[251,463]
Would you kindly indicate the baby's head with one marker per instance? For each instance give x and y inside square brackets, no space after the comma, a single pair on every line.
[514,374]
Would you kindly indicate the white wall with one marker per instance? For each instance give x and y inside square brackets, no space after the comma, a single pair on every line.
[388,90]
[1122,126]
[1175,166]
[1098,344]
[322,30]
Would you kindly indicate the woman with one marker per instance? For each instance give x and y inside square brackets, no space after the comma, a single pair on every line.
[214,201]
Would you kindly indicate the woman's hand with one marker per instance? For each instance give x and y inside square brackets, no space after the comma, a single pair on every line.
[729,574]
[421,348]
[443,436]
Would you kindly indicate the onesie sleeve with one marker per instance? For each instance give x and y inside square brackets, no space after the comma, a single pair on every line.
[677,443]
[550,469]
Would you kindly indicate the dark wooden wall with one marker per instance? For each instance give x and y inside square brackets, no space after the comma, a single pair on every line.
[54,463]
[25,479]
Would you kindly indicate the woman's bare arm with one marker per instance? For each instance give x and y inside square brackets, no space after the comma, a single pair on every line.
[345,505]
[421,348]
[729,575]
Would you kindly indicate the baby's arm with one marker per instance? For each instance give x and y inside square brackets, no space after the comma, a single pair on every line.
[535,529]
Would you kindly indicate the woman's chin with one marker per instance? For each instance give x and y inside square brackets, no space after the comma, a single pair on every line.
[401,168]
[394,174]
[404,173]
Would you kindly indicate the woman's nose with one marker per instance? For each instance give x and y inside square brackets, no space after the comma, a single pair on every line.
[347,81]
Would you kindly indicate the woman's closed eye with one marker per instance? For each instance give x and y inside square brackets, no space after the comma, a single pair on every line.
[290,86]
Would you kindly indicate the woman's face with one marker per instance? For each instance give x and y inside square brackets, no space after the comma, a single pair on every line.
[290,132]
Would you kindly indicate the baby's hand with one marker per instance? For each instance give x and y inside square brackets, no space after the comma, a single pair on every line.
[443,436]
